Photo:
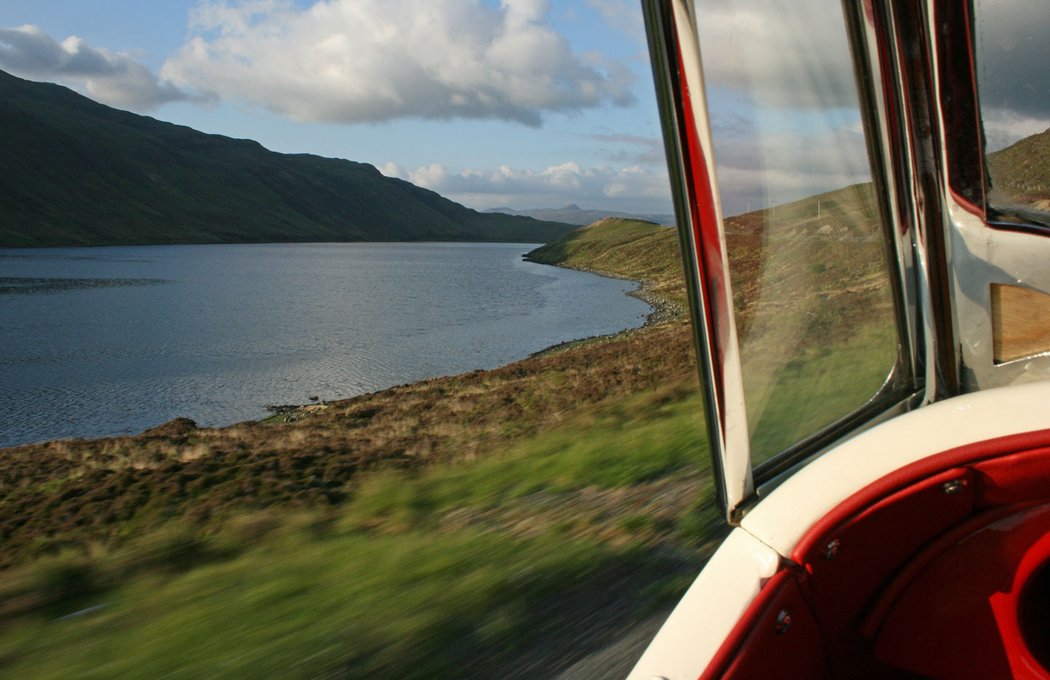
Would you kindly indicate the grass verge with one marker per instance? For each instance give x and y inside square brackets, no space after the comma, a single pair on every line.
[451,570]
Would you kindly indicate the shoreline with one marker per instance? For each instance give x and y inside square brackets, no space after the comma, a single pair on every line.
[662,311]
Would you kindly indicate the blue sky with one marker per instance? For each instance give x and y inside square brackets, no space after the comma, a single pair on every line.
[517,103]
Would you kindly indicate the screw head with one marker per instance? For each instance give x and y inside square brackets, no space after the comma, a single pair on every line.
[831,550]
[954,486]
[783,624]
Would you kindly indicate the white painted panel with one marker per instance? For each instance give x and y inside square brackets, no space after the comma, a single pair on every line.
[709,610]
[782,518]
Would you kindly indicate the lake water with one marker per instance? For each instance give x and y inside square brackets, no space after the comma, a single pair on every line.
[104,341]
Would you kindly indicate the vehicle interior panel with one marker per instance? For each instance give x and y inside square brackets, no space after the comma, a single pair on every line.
[941,569]
[849,567]
[961,617]
[781,625]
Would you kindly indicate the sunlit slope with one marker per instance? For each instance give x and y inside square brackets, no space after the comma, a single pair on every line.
[823,249]
[512,566]
[74,172]
[820,247]
[812,287]
[1020,174]
[633,249]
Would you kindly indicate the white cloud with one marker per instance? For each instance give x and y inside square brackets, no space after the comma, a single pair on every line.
[792,54]
[109,77]
[347,61]
[786,120]
[392,169]
[632,188]
[787,54]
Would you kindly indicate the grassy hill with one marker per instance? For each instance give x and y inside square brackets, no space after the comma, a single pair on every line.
[75,172]
[1020,174]
[627,248]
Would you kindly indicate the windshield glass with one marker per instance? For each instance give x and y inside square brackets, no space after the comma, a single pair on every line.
[1015,106]
[811,283]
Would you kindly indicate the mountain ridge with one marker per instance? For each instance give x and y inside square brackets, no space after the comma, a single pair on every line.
[79,173]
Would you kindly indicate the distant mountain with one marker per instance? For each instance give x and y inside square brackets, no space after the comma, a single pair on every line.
[574,214]
[75,172]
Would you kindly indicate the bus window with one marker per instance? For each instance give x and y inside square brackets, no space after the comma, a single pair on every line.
[811,282]
[1014,86]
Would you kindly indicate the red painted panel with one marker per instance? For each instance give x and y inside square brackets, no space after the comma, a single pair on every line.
[888,596]
[959,618]
[795,651]
[1015,478]
[707,242]
[781,638]
[858,558]
[734,642]
[921,469]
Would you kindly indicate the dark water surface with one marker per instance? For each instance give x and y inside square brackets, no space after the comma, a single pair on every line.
[102,341]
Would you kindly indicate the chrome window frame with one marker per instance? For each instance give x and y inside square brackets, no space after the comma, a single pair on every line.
[678,74]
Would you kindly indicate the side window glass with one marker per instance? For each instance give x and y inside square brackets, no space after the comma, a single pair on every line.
[1013,57]
[811,283]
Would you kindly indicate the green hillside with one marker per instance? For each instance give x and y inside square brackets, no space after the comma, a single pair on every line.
[75,172]
[1020,174]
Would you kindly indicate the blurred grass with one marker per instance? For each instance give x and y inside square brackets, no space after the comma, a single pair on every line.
[392,584]
[417,604]
[636,440]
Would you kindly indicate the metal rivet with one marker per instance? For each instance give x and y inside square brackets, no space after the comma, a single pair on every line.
[831,550]
[783,622]
[954,486]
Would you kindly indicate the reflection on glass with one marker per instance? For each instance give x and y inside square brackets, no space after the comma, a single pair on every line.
[1014,82]
[810,280]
